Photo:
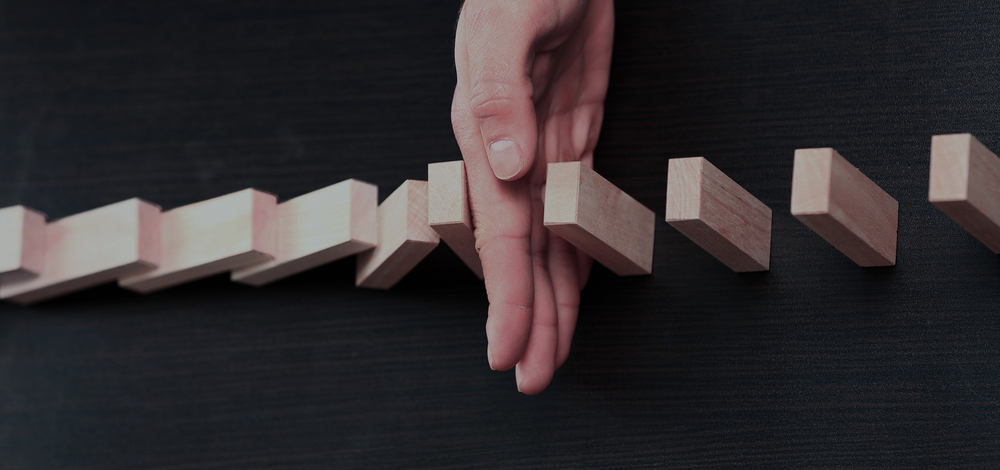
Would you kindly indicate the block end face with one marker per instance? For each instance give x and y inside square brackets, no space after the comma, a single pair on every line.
[562,193]
[949,168]
[684,188]
[811,178]
[264,221]
[364,213]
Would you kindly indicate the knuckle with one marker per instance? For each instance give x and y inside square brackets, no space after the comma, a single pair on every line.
[491,98]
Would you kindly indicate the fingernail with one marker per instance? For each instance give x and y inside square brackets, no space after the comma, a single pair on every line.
[517,377]
[505,158]
[489,357]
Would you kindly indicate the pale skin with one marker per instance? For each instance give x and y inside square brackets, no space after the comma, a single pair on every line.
[532,78]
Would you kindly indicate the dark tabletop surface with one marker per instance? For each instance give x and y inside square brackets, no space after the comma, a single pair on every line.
[818,363]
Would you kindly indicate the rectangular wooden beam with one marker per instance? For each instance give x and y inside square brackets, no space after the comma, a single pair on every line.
[211,237]
[965,184]
[720,216]
[598,218]
[317,228]
[448,211]
[842,205]
[404,238]
[22,253]
[92,248]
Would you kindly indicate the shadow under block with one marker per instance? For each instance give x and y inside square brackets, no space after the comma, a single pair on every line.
[211,237]
[842,205]
[22,252]
[720,216]
[92,248]
[318,228]
[965,184]
[404,238]
[448,211]
[595,216]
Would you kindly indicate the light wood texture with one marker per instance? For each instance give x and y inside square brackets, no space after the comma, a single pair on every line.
[22,251]
[211,237]
[842,205]
[720,216]
[448,211]
[404,238]
[92,248]
[598,218]
[317,228]
[965,184]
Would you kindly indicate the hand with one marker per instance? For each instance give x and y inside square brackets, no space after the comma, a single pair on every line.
[532,77]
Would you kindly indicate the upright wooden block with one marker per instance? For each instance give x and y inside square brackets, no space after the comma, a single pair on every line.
[720,216]
[92,248]
[448,211]
[965,184]
[22,250]
[317,228]
[842,205]
[598,218]
[404,238]
[211,237]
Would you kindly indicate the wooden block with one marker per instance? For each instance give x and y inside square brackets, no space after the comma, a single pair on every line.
[317,228]
[448,211]
[211,237]
[842,205]
[404,238]
[600,219]
[720,216]
[92,248]
[965,184]
[22,253]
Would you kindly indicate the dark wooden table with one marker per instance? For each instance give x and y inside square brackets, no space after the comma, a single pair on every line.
[817,363]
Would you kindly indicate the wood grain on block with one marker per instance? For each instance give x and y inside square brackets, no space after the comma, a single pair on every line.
[404,238]
[448,211]
[720,216]
[317,228]
[842,205]
[22,250]
[93,248]
[965,184]
[211,237]
[598,218]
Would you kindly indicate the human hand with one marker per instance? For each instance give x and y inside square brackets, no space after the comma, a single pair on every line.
[532,77]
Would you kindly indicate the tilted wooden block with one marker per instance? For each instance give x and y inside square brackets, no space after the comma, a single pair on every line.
[211,237]
[965,184]
[92,248]
[720,216]
[22,253]
[317,228]
[842,205]
[448,211]
[598,218]
[404,238]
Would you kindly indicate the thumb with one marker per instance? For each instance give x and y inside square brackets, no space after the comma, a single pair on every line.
[499,42]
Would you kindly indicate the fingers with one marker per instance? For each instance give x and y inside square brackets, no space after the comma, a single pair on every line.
[494,63]
[535,370]
[565,275]
[501,213]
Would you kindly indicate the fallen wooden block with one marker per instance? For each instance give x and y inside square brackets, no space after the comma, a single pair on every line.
[22,253]
[842,205]
[92,248]
[317,228]
[720,216]
[965,184]
[404,238]
[448,211]
[211,237]
[598,218]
